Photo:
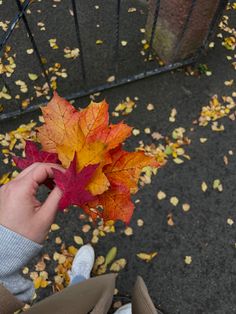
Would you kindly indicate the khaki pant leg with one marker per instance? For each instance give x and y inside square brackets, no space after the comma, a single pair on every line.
[94,295]
[141,301]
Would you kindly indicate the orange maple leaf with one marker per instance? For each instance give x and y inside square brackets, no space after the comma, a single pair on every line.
[87,133]
[126,167]
[114,204]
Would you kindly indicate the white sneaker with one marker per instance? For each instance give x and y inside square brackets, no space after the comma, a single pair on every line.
[125,309]
[83,262]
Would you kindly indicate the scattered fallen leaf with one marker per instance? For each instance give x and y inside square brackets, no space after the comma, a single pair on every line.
[161,195]
[32,76]
[111,255]
[173,115]
[217,185]
[128,231]
[204,186]
[140,222]
[203,140]
[118,265]
[186,207]
[124,43]
[174,201]
[150,107]
[55,227]
[188,260]
[170,220]
[230,221]
[78,240]
[147,257]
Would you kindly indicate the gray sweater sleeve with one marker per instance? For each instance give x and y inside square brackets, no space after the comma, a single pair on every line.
[15,252]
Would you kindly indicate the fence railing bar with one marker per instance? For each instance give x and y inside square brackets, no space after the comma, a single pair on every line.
[11,27]
[187,20]
[215,21]
[33,42]
[106,86]
[156,13]
[117,39]
[78,37]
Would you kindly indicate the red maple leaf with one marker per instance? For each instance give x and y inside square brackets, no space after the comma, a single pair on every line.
[33,154]
[73,184]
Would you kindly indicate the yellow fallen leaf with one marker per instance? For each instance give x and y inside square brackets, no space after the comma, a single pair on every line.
[58,240]
[78,240]
[37,282]
[128,231]
[55,227]
[178,161]
[111,255]
[44,283]
[217,185]
[186,207]
[147,130]
[230,221]
[150,107]
[29,51]
[62,259]
[72,250]
[136,132]
[174,200]
[204,186]
[203,140]
[118,265]
[140,222]
[188,260]
[229,83]
[32,76]
[25,103]
[111,78]
[161,195]
[124,43]
[147,257]
[25,270]
[5,178]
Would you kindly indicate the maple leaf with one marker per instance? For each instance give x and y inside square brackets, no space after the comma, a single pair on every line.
[33,154]
[114,204]
[126,167]
[113,135]
[87,133]
[73,184]
[100,173]
[117,204]
[61,127]
[94,119]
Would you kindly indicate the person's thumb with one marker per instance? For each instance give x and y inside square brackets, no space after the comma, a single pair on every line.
[50,206]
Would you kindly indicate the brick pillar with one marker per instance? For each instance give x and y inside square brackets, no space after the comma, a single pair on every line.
[182,26]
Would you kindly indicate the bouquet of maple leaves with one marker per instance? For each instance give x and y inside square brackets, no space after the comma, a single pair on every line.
[100,175]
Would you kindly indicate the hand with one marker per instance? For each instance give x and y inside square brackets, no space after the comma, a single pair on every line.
[20,211]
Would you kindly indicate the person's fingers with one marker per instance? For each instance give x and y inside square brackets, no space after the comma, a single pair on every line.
[26,171]
[40,172]
[50,206]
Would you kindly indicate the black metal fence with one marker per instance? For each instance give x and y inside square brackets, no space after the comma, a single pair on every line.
[104,46]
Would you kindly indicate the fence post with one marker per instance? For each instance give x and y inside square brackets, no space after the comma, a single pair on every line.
[183,26]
